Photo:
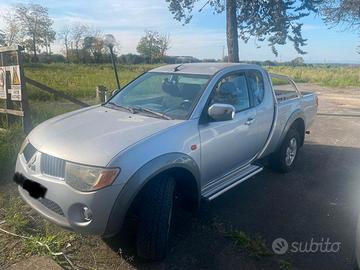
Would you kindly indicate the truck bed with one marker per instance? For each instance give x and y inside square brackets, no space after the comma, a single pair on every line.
[289,100]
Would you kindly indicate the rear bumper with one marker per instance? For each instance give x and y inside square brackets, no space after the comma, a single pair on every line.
[63,205]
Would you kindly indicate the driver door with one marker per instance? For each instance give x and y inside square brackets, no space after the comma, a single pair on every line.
[227,145]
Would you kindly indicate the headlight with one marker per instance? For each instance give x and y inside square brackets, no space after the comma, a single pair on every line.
[86,178]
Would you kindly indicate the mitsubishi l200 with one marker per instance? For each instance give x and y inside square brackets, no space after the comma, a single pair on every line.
[194,130]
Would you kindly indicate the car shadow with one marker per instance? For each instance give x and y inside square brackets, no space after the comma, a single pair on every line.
[318,200]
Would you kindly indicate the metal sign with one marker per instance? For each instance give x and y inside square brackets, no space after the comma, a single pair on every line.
[10,66]
[15,80]
[13,95]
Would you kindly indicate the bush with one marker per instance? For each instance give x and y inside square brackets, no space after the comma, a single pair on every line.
[131,59]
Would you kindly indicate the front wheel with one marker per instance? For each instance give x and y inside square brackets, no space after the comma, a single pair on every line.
[155,218]
[284,159]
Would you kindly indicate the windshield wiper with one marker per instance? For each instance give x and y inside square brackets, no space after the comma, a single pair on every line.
[122,107]
[143,109]
[134,109]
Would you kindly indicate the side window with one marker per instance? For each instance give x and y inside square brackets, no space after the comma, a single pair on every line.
[232,90]
[256,86]
[283,87]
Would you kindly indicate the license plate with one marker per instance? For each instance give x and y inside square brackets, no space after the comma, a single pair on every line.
[35,189]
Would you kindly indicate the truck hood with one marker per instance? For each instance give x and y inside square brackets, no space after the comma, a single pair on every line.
[94,135]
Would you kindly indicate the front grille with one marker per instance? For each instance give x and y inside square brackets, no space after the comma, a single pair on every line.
[51,205]
[29,151]
[52,166]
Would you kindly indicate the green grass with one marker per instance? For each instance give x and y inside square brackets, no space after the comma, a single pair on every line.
[12,216]
[322,75]
[256,246]
[79,80]
[10,142]
[285,265]
[34,236]
[56,241]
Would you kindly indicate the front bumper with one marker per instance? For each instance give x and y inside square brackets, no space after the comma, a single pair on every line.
[64,205]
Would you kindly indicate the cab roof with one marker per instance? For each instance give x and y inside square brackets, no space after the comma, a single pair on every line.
[198,68]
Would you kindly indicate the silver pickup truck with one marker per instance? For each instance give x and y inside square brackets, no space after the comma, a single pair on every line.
[186,132]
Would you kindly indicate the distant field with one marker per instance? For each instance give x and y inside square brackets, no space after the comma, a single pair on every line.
[322,75]
[80,80]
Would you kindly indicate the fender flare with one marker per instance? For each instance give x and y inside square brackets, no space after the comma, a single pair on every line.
[297,114]
[139,179]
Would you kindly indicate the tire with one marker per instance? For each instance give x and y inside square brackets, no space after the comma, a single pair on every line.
[284,159]
[155,219]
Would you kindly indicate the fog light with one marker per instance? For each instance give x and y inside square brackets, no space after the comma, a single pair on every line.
[87,214]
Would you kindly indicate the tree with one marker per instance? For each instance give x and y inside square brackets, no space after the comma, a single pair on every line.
[2,38]
[94,46]
[35,24]
[148,47]
[131,59]
[232,31]
[276,21]
[11,31]
[88,43]
[342,11]
[49,37]
[164,44]
[298,61]
[98,49]
[153,46]
[346,12]
[64,35]
[78,33]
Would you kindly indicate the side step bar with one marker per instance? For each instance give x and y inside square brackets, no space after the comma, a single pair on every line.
[241,177]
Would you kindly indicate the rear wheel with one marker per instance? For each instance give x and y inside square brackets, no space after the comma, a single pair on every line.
[284,159]
[155,218]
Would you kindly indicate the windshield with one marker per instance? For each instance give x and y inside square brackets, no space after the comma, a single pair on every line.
[172,96]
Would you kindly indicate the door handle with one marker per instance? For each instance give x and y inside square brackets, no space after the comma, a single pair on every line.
[249,121]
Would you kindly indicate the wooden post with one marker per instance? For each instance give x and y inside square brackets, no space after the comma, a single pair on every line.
[101,93]
[24,95]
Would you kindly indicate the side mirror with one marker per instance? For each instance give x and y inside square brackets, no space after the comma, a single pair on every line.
[113,93]
[221,112]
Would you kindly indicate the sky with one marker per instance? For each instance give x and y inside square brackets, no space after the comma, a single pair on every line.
[203,38]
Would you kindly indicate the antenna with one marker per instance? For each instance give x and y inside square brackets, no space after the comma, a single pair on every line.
[177,67]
